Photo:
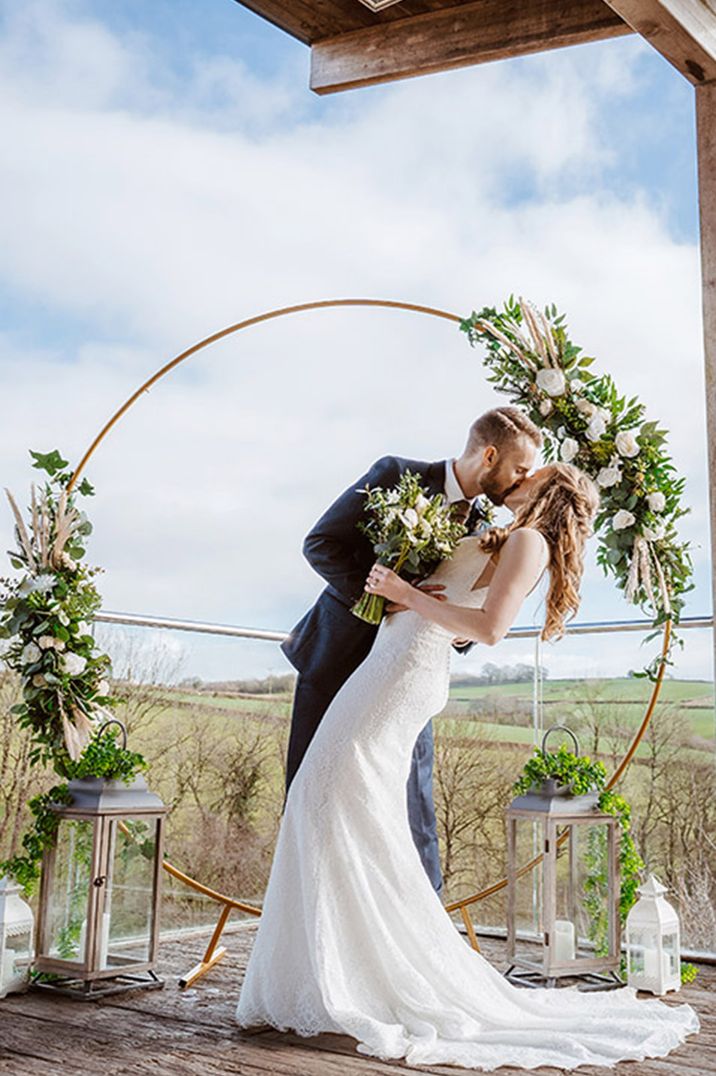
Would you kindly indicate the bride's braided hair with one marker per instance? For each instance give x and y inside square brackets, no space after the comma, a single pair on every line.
[562,507]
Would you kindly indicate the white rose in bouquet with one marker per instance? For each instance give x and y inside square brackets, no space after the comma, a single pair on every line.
[623,519]
[568,449]
[551,381]
[626,443]
[586,407]
[46,642]
[73,664]
[545,407]
[38,680]
[656,501]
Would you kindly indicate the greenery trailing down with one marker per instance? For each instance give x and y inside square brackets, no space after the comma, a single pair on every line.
[46,614]
[581,774]
[587,422]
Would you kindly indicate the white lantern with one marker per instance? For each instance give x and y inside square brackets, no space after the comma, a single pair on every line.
[652,941]
[16,930]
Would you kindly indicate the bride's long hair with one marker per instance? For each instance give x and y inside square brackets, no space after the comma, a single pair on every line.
[562,507]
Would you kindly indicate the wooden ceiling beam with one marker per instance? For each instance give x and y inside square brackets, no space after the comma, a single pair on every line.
[683,31]
[470,33]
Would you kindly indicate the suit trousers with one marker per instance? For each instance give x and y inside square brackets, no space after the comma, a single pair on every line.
[310,703]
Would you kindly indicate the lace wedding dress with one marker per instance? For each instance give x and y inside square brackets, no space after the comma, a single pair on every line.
[354,939]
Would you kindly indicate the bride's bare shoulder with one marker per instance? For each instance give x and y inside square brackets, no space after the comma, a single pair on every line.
[527,540]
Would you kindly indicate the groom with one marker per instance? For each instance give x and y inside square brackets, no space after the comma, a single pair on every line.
[329,642]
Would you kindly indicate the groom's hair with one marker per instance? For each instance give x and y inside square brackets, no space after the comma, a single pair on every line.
[500,426]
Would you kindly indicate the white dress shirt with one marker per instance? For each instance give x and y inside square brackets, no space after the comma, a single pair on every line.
[453,489]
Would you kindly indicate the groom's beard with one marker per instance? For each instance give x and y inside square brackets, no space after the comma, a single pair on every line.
[495,490]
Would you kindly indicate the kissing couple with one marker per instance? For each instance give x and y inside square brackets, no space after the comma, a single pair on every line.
[353,937]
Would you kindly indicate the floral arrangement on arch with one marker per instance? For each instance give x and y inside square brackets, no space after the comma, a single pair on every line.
[586,422]
[45,617]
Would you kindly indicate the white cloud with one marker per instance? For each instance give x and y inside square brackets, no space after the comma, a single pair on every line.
[149,211]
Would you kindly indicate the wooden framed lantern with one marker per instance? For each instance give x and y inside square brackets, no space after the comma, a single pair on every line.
[577,886]
[100,888]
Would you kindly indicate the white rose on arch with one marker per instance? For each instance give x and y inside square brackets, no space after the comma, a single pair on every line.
[73,664]
[568,449]
[627,444]
[551,381]
[596,428]
[656,501]
[609,476]
[623,519]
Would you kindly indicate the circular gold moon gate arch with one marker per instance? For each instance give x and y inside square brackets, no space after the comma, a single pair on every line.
[213,954]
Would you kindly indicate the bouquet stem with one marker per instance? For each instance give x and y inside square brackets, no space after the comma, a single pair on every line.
[370,607]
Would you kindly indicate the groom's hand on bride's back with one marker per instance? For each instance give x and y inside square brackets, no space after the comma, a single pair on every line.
[427,588]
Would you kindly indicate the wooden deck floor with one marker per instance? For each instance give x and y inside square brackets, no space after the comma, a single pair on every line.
[177,1032]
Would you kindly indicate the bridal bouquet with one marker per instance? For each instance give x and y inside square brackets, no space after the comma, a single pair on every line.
[408,530]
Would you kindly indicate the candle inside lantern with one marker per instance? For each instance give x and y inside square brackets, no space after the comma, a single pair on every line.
[8,966]
[564,947]
[104,940]
[651,963]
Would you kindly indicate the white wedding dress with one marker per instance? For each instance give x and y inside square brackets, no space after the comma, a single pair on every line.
[354,939]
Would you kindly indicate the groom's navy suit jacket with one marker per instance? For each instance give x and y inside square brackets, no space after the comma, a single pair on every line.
[329,642]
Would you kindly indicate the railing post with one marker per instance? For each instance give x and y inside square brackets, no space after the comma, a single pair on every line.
[706,155]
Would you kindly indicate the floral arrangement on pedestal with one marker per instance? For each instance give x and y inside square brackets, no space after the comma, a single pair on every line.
[45,613]
[586,422]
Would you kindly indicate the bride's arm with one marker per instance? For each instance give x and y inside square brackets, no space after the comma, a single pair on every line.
[516,573]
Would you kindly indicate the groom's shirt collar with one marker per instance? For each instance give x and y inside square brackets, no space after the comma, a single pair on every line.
[453,489]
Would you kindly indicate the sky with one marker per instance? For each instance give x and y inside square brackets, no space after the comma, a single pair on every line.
[166,172]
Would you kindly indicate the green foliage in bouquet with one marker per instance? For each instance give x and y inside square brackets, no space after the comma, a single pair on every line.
[410,532]
[585,421]
[46,615]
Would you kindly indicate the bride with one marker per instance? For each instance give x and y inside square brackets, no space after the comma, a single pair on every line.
[353,938]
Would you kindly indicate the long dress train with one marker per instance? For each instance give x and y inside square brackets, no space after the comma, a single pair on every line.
[354,939]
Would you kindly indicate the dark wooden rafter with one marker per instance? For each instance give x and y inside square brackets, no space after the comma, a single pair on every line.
[352,46]
[683,31]
[457,36]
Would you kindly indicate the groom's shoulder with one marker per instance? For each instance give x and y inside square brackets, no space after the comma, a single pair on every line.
[400,464]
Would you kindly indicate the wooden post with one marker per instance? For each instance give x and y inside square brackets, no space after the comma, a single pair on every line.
[706,154]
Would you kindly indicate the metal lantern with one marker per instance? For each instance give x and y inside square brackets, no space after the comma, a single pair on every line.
[652,941]
[16,929]
[98,920]
[570,834]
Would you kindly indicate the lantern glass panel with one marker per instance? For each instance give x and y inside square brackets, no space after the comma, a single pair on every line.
[639,942]
[582,892]
[125,934]
[71,883]
[670,945]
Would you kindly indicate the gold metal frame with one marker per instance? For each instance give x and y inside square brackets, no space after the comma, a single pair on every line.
[214,954]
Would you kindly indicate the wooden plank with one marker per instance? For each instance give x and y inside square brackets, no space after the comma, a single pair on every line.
[683,31]
[310,21]
[472,33]
[706,158]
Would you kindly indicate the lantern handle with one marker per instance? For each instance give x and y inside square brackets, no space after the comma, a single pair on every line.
[114,721]
[552,728]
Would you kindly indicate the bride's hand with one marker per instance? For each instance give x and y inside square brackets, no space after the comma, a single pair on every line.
[383,580]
